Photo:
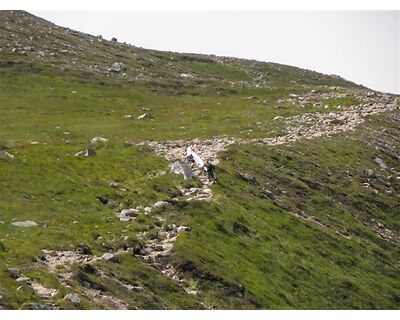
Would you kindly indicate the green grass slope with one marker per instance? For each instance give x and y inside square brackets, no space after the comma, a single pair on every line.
[289,227]
[337,260]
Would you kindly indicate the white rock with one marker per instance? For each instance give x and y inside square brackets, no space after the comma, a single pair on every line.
[24,224]
[5,154]
[163,205]
[144,115]
[182,229]
[107,256]
[98,139]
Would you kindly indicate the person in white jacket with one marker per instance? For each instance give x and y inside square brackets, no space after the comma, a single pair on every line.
[191,155]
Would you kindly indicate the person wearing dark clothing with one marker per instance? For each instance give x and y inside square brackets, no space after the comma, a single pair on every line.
[210,168]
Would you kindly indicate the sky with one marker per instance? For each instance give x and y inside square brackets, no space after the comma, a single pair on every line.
[360,46]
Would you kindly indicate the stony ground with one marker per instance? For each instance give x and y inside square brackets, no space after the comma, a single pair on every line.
[96,210]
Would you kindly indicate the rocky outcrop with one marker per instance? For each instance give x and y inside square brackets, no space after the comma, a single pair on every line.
[183,168]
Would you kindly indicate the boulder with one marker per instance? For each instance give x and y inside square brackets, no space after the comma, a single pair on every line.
[24,224]
[183,168]
[74,298]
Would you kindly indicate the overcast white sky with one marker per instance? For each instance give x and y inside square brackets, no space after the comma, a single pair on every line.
[361,46]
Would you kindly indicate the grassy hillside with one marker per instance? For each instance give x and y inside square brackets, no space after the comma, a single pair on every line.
[293,226]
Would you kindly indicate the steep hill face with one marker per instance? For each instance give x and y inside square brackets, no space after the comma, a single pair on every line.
[304,212]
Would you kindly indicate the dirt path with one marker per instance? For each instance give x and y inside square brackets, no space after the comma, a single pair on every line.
[301,127]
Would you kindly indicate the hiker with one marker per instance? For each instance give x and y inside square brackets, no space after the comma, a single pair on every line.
[192,156]
[189,155]
[210,169]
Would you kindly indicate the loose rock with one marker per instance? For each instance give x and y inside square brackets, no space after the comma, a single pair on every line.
[162,205]
[98,139]
[24,224]
[74,299]
[5,154]
[369,173]
[117,67]
[381,163]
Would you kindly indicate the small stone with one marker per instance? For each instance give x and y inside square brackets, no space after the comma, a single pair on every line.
[381,163]
[98,139]
[117,67]
[193,292]
[369,173]
[23,279]
[14,272]
[24,224]
[5,154]
[86,153]
[186,76]
[74,298]
[114,185]
[137,289]
[128,213]
[107,256]
[163,205]
[182,229]
[144,115]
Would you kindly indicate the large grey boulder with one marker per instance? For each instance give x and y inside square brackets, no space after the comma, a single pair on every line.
[24,224]
[183,168]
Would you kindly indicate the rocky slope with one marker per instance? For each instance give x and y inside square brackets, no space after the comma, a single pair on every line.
[96,210]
